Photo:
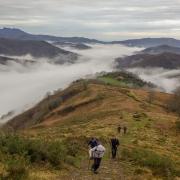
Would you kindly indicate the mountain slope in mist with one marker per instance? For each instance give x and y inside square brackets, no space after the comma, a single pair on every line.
[161,49]
[38,113]
[19,34]
[149,42]
[37,49]
[164,60]
[79,46]
[4,60]
[31,83]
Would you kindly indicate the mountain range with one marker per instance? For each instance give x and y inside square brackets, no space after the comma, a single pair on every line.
[164,60]
[161,49]
[14,33]
[37,49]
[149,42]
[160,52]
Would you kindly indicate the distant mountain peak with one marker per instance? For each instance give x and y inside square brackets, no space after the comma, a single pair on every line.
[5,29]
[12,33]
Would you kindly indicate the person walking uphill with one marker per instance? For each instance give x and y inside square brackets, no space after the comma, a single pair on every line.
[119,129]
[125,129]
[92,143]
[97,154]
[114,146]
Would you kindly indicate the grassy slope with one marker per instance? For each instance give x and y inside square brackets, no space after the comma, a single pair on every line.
[112,106]
[97,110]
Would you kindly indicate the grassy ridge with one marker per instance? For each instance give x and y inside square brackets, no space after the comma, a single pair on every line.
[149,150]
[124,79]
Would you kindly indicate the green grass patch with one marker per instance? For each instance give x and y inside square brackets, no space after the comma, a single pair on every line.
[54,154]
[160,165]
[124,79]
[111,81]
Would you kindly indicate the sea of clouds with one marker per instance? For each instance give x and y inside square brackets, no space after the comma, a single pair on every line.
[21,86]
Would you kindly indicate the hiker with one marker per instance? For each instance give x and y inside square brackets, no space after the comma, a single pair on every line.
[119,129]
[125,129]
[92,143]
[97,153]
[114,147]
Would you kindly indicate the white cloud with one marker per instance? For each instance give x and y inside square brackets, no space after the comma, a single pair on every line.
[21,86]
[91,18]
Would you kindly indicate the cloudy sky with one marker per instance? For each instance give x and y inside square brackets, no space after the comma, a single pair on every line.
[101,19]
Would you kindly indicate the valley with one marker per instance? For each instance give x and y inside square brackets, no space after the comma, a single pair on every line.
[57,93]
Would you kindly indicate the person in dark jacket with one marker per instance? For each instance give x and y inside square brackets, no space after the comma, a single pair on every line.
[125,129]
[92,143]
[119,129]
[114,142]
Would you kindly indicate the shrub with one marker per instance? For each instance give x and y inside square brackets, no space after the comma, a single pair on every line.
[17,169]
[70,160]
[12,144]
[56,153]
[53,153]
[160,165]
[151,97]
[174,103]
[178,125]
[38,151]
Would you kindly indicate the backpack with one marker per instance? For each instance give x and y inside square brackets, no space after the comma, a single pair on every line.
[98,151]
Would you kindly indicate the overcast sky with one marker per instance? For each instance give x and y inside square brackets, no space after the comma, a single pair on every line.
[101,19]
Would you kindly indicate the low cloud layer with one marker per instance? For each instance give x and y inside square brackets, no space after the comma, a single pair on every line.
[21,86]
[166,80]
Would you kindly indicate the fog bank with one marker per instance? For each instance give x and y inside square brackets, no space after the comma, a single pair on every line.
[23,86]
[166,80]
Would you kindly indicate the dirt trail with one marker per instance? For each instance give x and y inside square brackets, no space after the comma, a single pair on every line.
[109,170]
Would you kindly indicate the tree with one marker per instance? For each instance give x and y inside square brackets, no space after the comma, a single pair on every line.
[151,96]
[174,102]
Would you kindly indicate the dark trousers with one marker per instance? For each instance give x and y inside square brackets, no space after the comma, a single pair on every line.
[96,164]
[114,152]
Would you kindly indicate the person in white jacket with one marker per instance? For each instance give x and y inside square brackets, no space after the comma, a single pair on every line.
[97,153]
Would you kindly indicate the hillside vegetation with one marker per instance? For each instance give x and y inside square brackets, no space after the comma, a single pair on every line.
[37,49]
[51,138]
[164,60]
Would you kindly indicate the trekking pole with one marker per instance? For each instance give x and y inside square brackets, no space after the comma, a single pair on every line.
[88,159]
[110,149]
[118,154]
[88,163]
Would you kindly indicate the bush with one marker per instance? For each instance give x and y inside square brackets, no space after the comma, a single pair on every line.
[174,103]
[56,154]
[72,148]
[16,169]
[38,151]
[178,125]
[160,165]
[12,144]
